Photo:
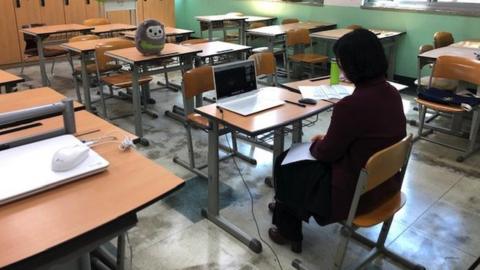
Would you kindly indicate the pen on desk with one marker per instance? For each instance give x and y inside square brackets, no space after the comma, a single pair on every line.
[320,78]
[222,51]
[295,103]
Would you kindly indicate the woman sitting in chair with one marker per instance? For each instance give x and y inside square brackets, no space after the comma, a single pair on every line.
[363,123]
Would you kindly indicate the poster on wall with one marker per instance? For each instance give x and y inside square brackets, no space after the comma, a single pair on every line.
[348,3]
[117,5]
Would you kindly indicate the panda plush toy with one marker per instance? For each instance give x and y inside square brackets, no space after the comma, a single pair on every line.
[150,37]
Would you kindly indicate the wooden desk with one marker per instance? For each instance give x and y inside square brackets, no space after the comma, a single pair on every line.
[465,52]
[264,19]
[52,219]
[141,65]
[9,81]
[388,38]
[85,48]
[273,119]
[217,48]
[31,98]
[111,28]
[42,32]
[473,44]
[169,31]
[217,22]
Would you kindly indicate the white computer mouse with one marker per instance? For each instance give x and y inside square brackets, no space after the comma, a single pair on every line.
[68,158]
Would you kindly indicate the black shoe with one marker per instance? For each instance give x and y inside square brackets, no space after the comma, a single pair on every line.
[271,206]
[276,237]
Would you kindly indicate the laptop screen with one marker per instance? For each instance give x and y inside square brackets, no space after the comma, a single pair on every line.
[235,78]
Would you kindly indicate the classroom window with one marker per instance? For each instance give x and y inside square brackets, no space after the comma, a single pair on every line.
[461,7]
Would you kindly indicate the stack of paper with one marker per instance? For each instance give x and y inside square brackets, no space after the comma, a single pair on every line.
[326,91]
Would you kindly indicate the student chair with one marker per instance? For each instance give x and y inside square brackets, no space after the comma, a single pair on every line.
[265,65]
[290,20]
[442,39]
[76,71]
[231,36]
[30,51]
[460,69]
[299,39]
[379,168]
[439,83]
[196,82]
[96,21]
[117,79]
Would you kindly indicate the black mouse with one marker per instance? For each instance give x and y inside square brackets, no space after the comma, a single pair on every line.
[310,101]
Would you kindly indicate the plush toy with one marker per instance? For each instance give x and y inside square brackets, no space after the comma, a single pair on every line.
[150,37]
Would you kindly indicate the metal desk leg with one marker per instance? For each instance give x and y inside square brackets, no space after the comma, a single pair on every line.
[213,212]
[84,262]
[121,252]
[41,58]
[210,31]
[85,82]
[137,108]
[392,52]
[243,38]
[297,132]
[278,148]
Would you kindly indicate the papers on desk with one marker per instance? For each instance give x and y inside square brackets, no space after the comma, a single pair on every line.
[298,152]
[326,91]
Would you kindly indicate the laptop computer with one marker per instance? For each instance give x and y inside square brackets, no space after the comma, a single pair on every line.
[236,87]
[27,169]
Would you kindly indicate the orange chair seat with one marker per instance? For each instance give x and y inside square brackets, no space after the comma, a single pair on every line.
[439,107]
[124,80]
[92,68]
[309,58]
[201,121]
[53,51]
[382,213]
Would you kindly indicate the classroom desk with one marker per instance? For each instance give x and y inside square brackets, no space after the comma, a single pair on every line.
[218,48]
[42,32]
[214,20]
[474,44]
[388,38]
[148,65]
[169,31]
[85,48]
[112,28]
[32,97]
[265,19]
[75,218]
[9,81]
[274,119]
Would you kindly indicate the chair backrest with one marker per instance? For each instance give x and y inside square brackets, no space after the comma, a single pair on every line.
[257,25]
[96,21]
[425,48]
[442,39]
[83,38]
[265,63]
[102,59]
[298,37]
[238,14]
[193,41]
[386,163]
[354,26]
[290,20]
[197,81]
[457,68]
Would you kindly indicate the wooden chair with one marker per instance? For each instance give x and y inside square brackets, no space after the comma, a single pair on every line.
[117,79]
[439,83]
[460,69]
[354,26]
[290,20]
[379,168]
[265,65]
[299,39]
[96,21]
[196,82]
[442,39]
[231,36]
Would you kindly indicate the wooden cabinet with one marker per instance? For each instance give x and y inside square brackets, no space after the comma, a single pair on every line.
[92,9]
[75,11]
[9,42]
[162,10]
[51,12]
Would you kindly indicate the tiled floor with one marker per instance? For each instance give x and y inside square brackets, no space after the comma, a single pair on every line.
[438,227]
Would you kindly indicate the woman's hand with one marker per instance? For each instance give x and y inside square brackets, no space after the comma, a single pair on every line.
[318,137]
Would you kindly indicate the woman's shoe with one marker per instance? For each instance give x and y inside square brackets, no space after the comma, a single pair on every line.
[276,237]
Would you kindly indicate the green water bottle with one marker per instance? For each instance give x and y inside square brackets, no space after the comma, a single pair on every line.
[334,72]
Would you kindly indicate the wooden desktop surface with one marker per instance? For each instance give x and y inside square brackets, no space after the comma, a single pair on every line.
[473,44]
[214,48]
[56,29]
[34,224]
[216,18]
[295,86]
[335,34]
[86,45]
[251,19]
[169,31]
[133,56]
[450,50]
[277,30]
[114,27]
[31,98]
[9,78]
[261,122]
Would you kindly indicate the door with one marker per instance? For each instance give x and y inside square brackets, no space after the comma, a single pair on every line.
[162,10]
[75,10]
[9,41]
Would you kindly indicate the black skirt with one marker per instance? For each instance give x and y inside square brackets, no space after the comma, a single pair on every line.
[304,187]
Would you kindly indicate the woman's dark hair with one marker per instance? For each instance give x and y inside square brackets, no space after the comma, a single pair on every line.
[360,55]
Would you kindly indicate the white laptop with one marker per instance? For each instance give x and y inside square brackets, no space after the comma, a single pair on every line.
[236,87]
[27,169]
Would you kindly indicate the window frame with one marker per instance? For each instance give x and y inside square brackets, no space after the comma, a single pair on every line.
[429,6]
